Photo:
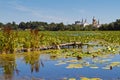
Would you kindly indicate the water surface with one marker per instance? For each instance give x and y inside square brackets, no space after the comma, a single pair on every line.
[47,67]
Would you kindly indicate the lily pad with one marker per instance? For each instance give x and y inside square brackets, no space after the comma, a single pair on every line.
[113,64]
[108,68]
[61,63]
[101,61]
[72,79]
[85,78]
[105,60]
[74,60]
[94,67]
[74,66]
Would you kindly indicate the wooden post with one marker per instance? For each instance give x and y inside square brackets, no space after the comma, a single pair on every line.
[74,44]
[80,45]
[57,47]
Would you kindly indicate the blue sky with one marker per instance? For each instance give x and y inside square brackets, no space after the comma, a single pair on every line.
[66,11]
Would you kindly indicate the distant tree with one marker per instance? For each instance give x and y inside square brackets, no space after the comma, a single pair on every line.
[60,26]
[22,25]
[14,26]
[41,28]
[89,28]
[9,25]
[117,24]
[52,26]
[103,27]
[110,26]
[1,25]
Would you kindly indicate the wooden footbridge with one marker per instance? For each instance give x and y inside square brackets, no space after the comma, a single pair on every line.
[64,45]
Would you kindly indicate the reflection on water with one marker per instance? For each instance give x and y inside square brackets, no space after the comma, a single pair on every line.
[7,66]
[33,60]
[36,66]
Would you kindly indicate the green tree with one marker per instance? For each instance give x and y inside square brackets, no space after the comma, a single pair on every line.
[22,25]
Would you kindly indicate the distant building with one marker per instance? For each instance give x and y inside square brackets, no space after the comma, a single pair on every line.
[95,23]
[77,22]
[82,23]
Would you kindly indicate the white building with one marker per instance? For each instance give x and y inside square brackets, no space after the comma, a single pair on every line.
[82,23]
[95,23]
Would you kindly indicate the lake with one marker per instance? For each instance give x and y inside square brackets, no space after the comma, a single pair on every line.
[42,66]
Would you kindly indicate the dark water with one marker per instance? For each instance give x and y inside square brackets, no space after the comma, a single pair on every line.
[45,67]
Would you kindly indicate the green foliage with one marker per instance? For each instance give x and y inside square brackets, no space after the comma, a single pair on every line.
[44,26]
[111,26]
[16,40]
[8,41]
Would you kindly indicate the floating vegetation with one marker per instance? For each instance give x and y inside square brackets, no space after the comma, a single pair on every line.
[30,40]
[102,61]
[85,78]
[72,79]
[97,52]
[113,64]
[74,66]
[107,67]
[94,67]
[72,61]
[61,63]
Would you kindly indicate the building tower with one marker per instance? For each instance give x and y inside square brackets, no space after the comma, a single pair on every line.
[94,22]
[98,22]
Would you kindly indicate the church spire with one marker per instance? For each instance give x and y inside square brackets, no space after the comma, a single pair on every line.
[82,20]
[93,18]
[98,22]
[85,20]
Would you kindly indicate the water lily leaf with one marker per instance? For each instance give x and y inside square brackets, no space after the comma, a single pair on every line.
[74,66]
[113,64]
[74,60]
[95,79]
[94,67]
[61,63]
[72,79]
[102,61]
[105,60]
[84,78]
[108,68]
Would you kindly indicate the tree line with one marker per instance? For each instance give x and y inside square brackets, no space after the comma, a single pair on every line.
[44,26]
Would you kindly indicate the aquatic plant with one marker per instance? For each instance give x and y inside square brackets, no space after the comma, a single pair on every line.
[12,41]
[8,41]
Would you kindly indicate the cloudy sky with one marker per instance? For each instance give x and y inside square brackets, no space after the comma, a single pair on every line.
[66,11]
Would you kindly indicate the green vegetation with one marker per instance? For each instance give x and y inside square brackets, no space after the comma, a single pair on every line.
[44,26]
[13,41]
[29,37]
